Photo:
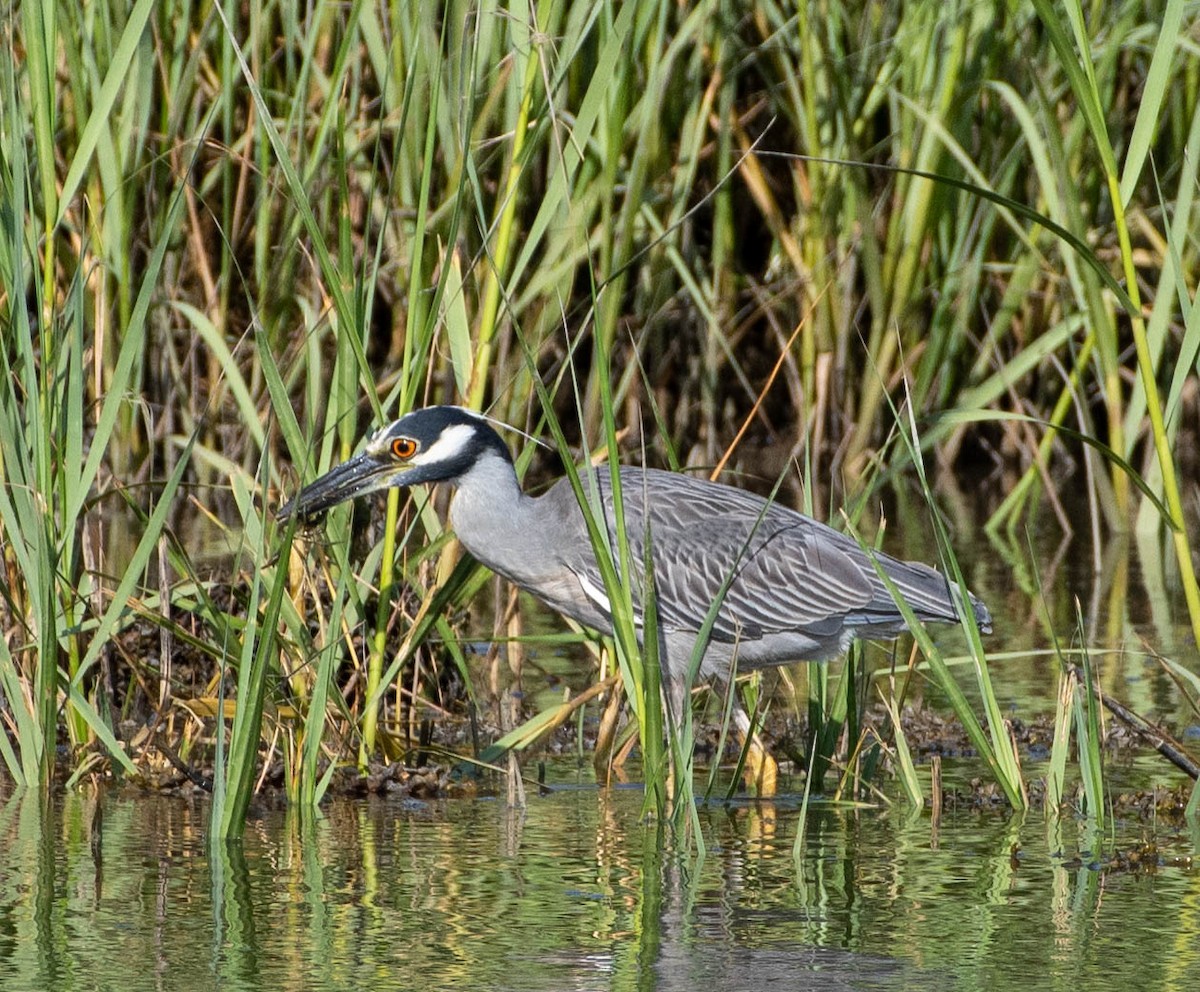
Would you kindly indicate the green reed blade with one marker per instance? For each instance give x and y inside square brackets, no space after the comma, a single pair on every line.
[119,67]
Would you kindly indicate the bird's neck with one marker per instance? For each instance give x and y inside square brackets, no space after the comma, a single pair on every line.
[489,513]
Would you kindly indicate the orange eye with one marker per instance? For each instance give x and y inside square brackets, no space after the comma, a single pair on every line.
[404,448]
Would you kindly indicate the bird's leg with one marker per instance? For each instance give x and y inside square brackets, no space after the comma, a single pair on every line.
[676,701]
[676,696]
[760,770]
[511,705]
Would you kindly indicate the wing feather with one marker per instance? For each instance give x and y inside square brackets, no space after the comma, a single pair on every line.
[785,572]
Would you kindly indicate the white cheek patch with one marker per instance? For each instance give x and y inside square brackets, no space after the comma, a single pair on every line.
[451,443]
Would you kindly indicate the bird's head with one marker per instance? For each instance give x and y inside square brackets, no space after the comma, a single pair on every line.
[437,444]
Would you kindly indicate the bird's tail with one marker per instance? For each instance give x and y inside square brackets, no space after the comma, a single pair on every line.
[929,594]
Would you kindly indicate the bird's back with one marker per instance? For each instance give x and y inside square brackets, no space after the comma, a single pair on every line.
[795,587]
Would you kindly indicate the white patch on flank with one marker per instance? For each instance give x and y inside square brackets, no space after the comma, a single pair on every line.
[593,592]
[450,443]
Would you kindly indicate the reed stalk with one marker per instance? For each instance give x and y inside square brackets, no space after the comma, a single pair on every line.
[244,240]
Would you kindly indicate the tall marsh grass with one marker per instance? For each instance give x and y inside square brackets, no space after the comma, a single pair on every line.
[235,237]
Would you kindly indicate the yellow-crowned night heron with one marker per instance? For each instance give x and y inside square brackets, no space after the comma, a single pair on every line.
[799,590]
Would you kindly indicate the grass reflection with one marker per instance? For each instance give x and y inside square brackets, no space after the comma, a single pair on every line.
[580,892]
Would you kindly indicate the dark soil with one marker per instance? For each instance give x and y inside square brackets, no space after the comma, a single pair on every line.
[430,749]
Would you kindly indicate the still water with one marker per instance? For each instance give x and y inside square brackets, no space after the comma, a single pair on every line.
[124,892]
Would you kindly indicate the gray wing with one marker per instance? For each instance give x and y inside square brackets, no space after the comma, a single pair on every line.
[785,572]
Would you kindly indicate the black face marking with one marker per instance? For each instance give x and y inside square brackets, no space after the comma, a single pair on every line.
[426,426]
[393,457]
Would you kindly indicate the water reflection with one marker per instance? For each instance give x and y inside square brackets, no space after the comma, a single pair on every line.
[577,892]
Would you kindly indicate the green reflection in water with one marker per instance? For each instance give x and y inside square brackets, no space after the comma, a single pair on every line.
[578,892]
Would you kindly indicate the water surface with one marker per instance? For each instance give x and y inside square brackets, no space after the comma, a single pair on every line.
[124,891]
[579,892]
